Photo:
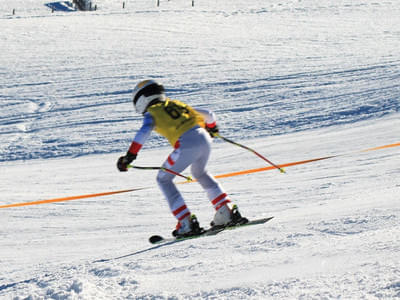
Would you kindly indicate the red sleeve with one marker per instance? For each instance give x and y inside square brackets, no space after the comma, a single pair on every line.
[212,125]
[135,147]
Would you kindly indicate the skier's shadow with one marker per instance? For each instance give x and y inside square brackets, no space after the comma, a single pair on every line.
[138,252]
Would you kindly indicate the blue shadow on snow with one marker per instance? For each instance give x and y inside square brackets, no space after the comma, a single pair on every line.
[61,6]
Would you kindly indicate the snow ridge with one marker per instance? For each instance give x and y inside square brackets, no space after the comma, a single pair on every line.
[294,80]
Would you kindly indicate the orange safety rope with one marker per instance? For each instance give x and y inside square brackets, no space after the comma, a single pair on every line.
[69,198]
[217,176]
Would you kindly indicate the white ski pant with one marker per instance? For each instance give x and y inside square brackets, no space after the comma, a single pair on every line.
[193,150]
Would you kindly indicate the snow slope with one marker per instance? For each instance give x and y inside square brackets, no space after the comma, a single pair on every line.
[295,80]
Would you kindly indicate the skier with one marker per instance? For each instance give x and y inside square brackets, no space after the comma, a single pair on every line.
[189,131]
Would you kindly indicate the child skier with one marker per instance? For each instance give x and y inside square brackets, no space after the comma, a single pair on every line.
[185,128]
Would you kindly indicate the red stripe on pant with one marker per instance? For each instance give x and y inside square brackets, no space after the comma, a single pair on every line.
[220,201]
[222,204]
[170,161]
[179,210]
[184,216]
[219,198]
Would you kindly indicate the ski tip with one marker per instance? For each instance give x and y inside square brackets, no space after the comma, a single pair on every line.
[155,239]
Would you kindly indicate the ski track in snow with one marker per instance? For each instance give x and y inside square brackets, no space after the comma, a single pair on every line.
[294,80]
[303,71]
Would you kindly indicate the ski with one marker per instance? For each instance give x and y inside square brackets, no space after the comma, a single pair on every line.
[158,239]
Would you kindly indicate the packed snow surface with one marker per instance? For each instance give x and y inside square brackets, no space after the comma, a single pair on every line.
[295,80]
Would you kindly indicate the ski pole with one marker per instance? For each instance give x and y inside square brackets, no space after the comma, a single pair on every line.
[251,150]
[188,178]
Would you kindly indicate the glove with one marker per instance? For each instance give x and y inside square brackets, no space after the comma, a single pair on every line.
[124,161]
[212,130]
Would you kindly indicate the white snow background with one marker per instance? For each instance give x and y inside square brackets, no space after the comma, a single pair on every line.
[294,79]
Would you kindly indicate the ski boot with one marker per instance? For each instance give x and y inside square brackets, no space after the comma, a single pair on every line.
[189,226]
[228,216]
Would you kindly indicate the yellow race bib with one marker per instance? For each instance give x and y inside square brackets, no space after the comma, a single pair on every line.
[173,118]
